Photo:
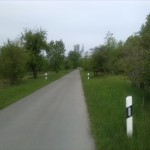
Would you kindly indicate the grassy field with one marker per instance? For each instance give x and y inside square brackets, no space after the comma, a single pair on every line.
[106,105]
[10,94]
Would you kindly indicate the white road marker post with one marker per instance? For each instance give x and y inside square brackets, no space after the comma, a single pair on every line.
[88,74]
[129,121]
[45,75]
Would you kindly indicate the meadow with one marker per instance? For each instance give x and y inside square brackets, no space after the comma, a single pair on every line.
[11,94]
[105,98]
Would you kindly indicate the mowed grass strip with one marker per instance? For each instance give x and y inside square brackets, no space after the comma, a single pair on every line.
[106,105]
[11,94]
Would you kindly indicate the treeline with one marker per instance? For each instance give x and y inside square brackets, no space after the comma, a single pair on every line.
[131,57]
[32,53]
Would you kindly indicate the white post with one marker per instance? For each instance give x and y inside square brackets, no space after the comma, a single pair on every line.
[45,75]
[129,120]
[88,76]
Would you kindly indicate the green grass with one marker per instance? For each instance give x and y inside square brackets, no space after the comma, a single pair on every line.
[11,94]
[106,105]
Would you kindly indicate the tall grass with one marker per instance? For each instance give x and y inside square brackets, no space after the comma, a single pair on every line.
[106,105]
[10,94]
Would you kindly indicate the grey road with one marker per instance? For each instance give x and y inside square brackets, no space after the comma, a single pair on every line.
[52,118]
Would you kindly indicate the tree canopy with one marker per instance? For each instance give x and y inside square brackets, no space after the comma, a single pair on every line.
[74,57]
[12,62]
[34,41]
[56,54]
[131,58]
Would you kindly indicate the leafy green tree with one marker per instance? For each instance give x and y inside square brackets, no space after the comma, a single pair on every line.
[56,54]
[34,41]
[110,41]
[107,58]
[12,62]
[74,57]
[118,62]
[145,43]
[134,59]
[145,33]
[87,62]
[44,65]
[99,59]
[111,46]
[137,56]
[67,64]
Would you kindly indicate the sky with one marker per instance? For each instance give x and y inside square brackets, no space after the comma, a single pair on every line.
[75,22]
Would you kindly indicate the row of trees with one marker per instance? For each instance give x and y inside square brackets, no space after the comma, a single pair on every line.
[32,53]
[131,57]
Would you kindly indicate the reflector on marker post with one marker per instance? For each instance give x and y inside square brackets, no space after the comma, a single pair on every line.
[129,120]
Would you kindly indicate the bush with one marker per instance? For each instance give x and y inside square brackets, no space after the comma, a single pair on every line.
[12,62]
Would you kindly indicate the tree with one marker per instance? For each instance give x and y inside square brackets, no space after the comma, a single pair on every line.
[87,62]
[74,57]
[111,46]
[134,59]
[67,63]
[110,41]
[117,59]
[44,65]
[107,58]
[145,43]
[137,55]
[56,54]
[144,34]
[99,59]
[34,41]
[12,62]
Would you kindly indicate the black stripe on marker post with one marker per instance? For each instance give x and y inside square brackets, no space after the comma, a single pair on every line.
[129,111]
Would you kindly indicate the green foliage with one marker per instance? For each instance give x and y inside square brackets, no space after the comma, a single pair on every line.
[87,63]
[134,55]
[34,41]
[145,29]
[56,54]
[107,57]
[45,66]
[131,58]
[99,58]
[145,43]
[67,64]
[12,62]
[74,58]
[110,41]
[137,56]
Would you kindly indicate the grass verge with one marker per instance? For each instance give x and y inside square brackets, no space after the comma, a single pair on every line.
[11,94]
[106,105]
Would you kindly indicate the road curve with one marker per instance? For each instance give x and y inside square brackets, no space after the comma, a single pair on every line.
[52,118]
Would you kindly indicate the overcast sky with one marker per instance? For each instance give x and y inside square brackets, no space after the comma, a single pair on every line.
[84,22]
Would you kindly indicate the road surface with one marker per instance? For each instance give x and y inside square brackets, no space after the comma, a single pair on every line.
[52,118]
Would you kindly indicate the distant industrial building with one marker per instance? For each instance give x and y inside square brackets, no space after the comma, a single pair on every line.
[82,49]
[77,48]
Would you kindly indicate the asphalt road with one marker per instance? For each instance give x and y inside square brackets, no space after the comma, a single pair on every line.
[52,118]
